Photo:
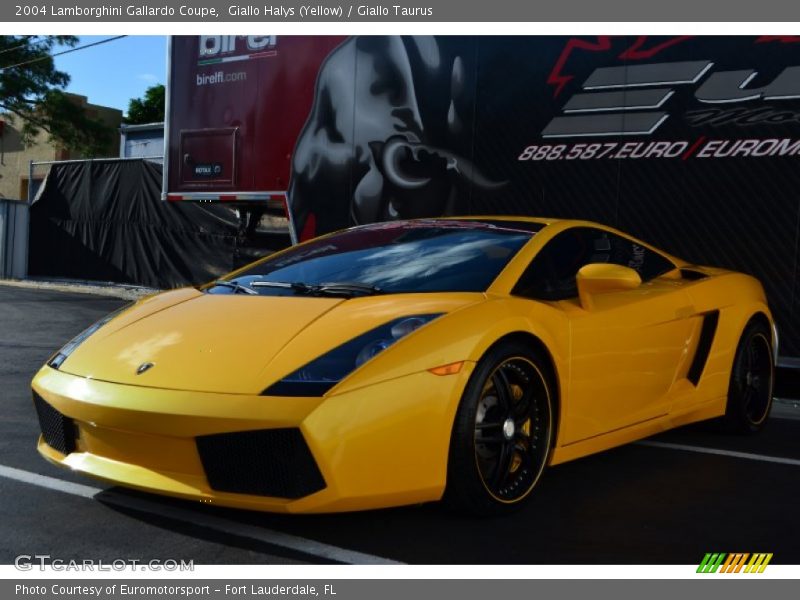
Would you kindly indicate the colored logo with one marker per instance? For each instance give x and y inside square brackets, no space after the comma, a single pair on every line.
[739,562]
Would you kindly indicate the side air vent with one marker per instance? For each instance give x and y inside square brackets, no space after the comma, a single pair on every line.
[707,332]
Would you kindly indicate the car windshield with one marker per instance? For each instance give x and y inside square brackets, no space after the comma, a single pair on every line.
[394,257]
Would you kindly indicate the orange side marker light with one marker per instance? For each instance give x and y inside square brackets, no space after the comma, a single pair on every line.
[450,369]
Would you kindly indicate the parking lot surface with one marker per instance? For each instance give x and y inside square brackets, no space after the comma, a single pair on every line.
[666,500]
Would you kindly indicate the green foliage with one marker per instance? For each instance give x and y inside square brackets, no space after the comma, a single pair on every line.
[149,109]
[31,88]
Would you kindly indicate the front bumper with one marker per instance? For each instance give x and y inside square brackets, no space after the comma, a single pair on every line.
[377,446]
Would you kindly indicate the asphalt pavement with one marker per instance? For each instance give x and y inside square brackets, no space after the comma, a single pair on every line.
[666,500]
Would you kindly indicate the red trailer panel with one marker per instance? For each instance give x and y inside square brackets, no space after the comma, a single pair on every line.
[235,107]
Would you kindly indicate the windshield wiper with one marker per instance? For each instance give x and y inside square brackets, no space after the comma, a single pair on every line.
[300,288]
[344,290]
[348,290]
[238,287]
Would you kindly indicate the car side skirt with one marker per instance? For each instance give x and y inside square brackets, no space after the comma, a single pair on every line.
[638,431]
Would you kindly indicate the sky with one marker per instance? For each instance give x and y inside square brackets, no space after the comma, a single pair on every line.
[113,73]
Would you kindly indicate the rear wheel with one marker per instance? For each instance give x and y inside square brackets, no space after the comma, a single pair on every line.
[750,390]
[502,433]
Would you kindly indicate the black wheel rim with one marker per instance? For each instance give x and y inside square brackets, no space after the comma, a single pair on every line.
[753,377]
[512,429]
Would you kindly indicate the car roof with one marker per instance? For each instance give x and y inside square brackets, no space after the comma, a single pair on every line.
[532,225]
[516,218]
[527,224]
[541,221]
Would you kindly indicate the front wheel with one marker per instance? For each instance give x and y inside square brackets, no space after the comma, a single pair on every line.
[752,375]
[502,432]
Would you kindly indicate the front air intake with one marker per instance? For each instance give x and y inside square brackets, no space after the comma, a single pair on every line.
[58,431]
[265,462]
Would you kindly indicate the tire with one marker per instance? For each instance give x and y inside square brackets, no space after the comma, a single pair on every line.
[502,434]
[752,380]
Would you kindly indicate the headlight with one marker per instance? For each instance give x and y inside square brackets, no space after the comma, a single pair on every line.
[62,355]
[321,374]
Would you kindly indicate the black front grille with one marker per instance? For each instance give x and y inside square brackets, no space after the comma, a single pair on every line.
[58,430]
[266,462]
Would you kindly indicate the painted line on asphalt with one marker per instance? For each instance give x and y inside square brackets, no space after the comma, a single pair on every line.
[51,483]
[244,530]
[206,521]
[731,453]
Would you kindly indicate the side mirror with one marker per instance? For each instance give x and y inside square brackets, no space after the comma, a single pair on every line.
[597,278]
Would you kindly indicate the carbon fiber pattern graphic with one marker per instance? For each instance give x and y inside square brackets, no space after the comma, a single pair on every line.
[740,232]
[448,125]
[737,213]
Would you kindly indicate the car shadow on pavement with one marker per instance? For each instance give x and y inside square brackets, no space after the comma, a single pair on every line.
[635,504]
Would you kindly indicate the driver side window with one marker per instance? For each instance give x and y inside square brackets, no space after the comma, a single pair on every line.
[551,274]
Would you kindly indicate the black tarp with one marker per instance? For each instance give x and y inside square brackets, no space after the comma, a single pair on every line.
[104,220]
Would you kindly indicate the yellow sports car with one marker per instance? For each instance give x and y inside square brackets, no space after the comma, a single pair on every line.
[406,362]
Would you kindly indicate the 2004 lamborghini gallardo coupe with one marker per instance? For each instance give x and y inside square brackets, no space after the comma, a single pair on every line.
[406,362]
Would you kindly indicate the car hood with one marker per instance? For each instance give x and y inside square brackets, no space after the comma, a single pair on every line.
[235,344]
